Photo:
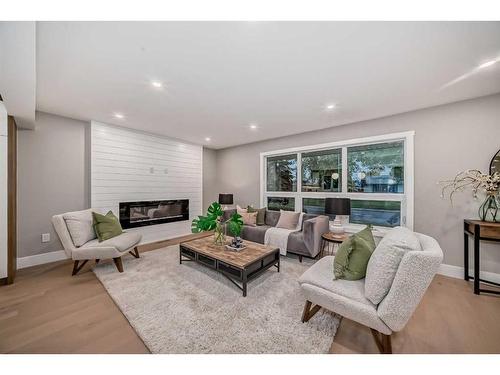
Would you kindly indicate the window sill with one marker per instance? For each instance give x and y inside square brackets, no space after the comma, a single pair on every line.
[351,228]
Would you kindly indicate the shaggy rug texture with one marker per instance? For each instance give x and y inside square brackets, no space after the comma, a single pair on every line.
[190,308]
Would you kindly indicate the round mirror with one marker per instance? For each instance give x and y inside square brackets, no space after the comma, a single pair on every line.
[495,163]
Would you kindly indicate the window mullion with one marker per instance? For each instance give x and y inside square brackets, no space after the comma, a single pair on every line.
[298,196]
[344,170]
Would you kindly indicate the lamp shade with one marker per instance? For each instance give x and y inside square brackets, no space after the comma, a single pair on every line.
[337,206]
[226,198]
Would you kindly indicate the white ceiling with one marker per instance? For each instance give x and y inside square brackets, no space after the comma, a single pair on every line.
[221,76]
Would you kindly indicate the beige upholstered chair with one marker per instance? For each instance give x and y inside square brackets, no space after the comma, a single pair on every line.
[80,243]
[348,298]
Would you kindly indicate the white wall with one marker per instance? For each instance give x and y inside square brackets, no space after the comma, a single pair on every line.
[3,191]
[128,165]
[52,178]
[448,139]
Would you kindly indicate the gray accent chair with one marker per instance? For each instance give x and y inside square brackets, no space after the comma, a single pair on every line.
[114,248]
[306,242]
[347,298]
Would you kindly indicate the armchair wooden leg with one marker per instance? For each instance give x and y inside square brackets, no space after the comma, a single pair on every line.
[309,312]
[77,267]
[135,252]
[118,264]
[383,342]
[300,258]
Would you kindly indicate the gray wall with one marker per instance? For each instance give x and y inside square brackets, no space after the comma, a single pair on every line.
[210,192]
[52,178]
[448,139]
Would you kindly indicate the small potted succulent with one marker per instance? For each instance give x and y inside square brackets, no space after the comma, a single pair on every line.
[213,221]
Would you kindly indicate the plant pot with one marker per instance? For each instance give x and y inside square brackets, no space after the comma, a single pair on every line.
[489,210]
[219,238]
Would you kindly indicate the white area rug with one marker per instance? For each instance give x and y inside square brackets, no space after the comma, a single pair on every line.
[189,308]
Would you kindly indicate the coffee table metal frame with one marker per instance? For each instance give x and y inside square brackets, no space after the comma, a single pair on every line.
[232,273]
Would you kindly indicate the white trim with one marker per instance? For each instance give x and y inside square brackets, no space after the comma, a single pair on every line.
[406,199]
[458,273]
[349,142]
[35,260]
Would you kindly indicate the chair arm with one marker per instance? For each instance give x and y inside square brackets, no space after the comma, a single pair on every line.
[413,277]
[312,231]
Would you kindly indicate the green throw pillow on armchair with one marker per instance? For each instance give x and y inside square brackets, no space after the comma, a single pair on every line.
[353,255]
[106,226]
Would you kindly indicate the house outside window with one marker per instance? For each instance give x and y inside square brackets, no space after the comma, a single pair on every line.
[376,173]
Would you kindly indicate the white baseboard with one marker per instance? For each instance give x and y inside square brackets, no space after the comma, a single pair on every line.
[54,256]
[458,273]
[35,260]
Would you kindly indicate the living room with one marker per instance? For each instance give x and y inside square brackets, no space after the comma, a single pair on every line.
[246,187]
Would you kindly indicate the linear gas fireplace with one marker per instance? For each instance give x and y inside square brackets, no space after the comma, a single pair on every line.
[139,214]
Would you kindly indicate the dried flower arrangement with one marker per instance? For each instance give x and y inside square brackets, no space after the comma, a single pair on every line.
[476,181]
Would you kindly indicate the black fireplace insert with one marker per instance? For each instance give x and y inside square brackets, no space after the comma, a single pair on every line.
[143,213]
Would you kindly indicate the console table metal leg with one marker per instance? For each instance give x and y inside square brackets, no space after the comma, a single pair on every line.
[477,235]
[466,256]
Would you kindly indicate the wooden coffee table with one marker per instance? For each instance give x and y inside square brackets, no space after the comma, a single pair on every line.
[241,266]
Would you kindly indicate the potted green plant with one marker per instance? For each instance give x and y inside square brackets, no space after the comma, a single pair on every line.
[213,221]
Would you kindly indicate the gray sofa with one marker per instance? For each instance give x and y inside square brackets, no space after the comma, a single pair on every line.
[306,242]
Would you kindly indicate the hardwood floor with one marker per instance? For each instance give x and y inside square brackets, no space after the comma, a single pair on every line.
[48,311]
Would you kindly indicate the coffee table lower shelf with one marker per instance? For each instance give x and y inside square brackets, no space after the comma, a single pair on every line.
[232,273]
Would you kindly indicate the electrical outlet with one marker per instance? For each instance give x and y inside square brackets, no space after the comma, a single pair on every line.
[45,237]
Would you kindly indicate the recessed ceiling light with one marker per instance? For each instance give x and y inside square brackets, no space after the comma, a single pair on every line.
[253,126]
[208,139]
[119,115]
[330,107]
[487,64]
[157,84]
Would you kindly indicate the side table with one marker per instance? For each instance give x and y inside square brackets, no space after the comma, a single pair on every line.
[330,238]
[481,231]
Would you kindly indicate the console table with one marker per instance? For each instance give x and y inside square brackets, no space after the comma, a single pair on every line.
[481,231]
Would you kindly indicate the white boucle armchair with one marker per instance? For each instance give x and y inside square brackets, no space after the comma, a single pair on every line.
[81,244]
[347,298]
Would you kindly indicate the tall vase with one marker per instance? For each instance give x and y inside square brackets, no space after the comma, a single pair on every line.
[220,238]
[489,210]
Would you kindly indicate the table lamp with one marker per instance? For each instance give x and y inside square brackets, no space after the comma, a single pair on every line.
[339,207]
[225,199]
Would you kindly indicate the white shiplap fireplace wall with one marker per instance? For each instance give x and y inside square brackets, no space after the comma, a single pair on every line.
[128,165]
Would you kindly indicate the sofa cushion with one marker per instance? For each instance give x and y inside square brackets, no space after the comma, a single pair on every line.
[384,262]
[79,224]
[241,210]
[254,234]
[288,220]
[272,218]
[122,242]
[249,218]
[320,275]
[106,226]
[261,214]
[353,255]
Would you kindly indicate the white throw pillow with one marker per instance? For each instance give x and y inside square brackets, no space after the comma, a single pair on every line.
[241,210]
[80,227]
[301,219]
[288,220]
[249,218]
[384,262]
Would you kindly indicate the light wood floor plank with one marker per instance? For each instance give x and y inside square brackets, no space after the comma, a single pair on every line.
[48,311]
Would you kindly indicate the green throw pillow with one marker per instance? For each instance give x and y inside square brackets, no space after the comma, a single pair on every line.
[353,255]
[106,226]
[261,214]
